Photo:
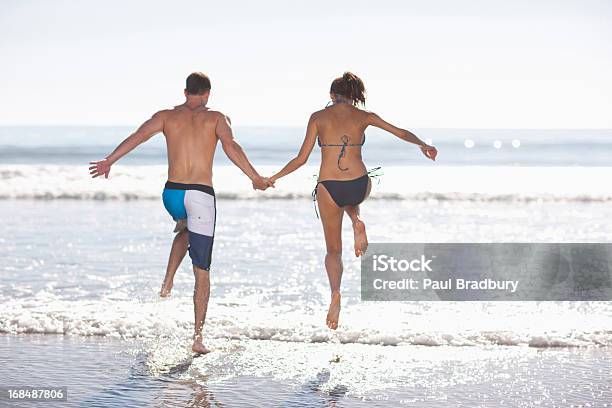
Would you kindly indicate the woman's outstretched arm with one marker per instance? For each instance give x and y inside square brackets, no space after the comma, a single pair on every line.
[429,151]
[299,160]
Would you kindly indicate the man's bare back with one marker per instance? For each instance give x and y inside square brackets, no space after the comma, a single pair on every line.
[191,140]
[192,131]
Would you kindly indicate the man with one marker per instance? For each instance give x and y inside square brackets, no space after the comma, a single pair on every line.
[191,131]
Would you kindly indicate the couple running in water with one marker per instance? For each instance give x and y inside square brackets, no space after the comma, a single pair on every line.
[192,131]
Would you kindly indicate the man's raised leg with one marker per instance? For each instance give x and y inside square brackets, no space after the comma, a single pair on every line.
[177,253]
[201,294]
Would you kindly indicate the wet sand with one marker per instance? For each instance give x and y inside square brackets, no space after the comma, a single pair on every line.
[100,371]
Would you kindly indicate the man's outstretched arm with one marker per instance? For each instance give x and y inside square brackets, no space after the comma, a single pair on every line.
[141,135]
[235,153]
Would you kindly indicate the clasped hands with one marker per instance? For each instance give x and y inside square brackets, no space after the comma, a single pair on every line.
[262,183]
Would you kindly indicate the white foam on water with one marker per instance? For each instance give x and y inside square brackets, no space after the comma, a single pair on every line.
[547,324]
[433,182]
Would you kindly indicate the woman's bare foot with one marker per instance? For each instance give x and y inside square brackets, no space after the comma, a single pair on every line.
[361,239]
[198,347]
[333,314]
[165,290]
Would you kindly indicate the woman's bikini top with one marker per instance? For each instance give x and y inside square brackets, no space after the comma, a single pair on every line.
[345,143]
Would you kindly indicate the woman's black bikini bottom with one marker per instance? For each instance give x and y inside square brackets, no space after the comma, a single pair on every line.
[347,192]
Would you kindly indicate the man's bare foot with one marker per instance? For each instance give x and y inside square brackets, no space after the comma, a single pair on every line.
[198,347]
[361,239]
[165,290]
[333,314]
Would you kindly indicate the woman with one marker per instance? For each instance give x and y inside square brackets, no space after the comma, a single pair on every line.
[343,181]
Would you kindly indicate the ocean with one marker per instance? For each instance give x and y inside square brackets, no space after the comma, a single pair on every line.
[82,261]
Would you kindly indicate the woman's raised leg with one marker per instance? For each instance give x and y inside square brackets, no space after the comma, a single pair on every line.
[359,229]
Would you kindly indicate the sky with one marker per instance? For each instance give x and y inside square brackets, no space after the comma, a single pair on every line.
[425,64]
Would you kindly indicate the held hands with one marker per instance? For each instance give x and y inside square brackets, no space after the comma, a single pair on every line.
[262,183]
[99,168]
[429,151]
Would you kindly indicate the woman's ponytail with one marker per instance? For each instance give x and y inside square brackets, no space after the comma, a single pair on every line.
[350,86]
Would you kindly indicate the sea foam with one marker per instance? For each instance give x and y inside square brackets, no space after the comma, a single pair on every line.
[525,324]
[440,183]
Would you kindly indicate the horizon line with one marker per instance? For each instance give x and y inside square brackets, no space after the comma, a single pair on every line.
[76,125]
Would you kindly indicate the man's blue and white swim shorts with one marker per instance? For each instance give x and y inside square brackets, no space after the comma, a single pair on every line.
[196,204]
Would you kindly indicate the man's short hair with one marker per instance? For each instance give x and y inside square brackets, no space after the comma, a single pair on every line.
[197,83]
